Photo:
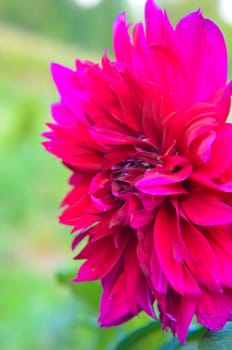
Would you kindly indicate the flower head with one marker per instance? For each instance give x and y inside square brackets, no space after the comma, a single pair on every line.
[146,139]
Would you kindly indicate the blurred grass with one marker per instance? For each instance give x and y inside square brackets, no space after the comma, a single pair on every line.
[35,311]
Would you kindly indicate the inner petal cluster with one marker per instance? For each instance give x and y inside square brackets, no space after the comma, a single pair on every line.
[126,173]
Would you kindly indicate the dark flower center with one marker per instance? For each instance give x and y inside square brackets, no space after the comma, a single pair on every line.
[127,172]
[145,162]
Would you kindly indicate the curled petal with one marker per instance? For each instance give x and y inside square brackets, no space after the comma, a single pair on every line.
[162,184]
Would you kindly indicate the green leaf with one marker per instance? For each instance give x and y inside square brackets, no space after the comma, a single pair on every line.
[87,292]
[193,339]
[173,344]
[221,340]
[138,336]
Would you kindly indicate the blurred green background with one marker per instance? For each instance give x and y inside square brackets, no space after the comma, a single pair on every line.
[40,308]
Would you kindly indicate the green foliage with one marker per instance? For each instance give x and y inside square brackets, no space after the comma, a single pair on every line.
[65,20]
[132,336]
[149,336]
[139,333]
[84,291]
[33,311]
[221,340]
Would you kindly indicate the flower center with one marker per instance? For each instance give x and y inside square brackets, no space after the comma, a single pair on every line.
[127,172]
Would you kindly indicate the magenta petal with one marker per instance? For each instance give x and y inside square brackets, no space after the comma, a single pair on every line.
[145,297]
[128,107]
[151,118]
[162,184]
[153,178]
[162,190]
[68,86]
[222,99]
[98,181]
[84,222]
[140,218]
[182,309]
[205,52]
[62,76]
[98,264]
[158,28]
[214,310]
[109,137]
[206,211]
[114,308]
[169,250]
[165,235]
[220,155]
[158,278]
[200,258]
[221,241]
[142,55]
[122,44]
[204,149]
[62,115]
[73,213]
[132,275]
[186,310]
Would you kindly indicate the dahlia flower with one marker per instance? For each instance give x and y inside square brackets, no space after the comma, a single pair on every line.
[149,149]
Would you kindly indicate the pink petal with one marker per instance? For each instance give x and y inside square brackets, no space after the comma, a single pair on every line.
[158,278]
[140,218]
[68,86]
[170,76]
[152,119]
[122,44]
[143,65]
[222,99]
[162,184]
[101,257]
[182,309]
[107,137]
[73,213]
[202,152]
[206,210]
[184,316]
[132,274]
[115,307]
[205,52]
[129,108]
[214,309]
[168,246]
[200,258]
[161,190]
[62,115]
[165,235]
[158,28]
[145,297]
[181,122]
[220,239]
[221,155]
